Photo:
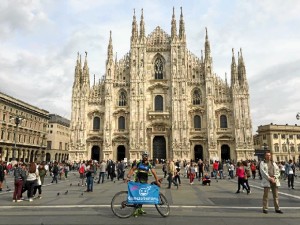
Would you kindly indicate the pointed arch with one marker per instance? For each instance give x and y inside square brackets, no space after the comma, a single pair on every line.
[196,97]
[122,97]
[159,66]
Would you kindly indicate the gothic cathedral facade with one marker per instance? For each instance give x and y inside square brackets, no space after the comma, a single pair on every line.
[162,99]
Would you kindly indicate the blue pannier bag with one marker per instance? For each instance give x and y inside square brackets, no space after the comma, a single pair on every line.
[142,193]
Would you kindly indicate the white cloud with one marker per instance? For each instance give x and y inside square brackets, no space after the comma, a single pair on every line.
[40,41]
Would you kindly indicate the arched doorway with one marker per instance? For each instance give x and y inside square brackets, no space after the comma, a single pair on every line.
[198,152]
[48,157]
[120,152]
[159,148]
[95,153]
[225,152]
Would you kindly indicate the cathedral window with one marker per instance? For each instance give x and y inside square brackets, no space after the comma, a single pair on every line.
[122,99]
[284,149]
[158,69]
[159,105]
[276,148]
[196,97]
[96,123]
[121,123]
[223,121]
[197,122]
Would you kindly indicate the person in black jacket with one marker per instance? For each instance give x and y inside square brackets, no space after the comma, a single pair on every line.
[2,174]
[55,171]
[20,179]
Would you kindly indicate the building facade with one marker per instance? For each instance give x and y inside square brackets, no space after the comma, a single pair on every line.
[22,130]
[282,140]
[163,99]
[58,138]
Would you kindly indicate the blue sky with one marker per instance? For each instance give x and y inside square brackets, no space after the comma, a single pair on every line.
[40,39]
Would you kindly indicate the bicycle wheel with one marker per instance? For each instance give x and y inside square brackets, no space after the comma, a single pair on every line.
[119,205]
[163,207]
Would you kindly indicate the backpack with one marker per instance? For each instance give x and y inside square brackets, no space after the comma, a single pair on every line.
[81,169]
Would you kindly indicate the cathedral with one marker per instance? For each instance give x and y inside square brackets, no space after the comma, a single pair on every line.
[163,99]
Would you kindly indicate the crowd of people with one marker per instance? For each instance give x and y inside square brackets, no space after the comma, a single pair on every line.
[29,177]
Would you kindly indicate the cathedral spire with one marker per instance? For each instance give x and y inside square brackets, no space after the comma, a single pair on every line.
[181,27]
[241,69]
[233,70]
[86,73]
[142,26]
[173,26]
[134,32]
[110,49]
[207,45]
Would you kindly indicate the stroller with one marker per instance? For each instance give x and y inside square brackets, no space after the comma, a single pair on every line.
[206,180]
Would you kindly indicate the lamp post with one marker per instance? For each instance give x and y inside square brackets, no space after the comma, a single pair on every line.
[298,116]
[288,149]
[17,121]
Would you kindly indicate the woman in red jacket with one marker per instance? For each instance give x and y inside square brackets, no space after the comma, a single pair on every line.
[240,173]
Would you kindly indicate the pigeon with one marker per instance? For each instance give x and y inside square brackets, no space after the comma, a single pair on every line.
[82,194]
[78,184]
[66,192]
[71,184]
[58,194]
[7,187]
[8,190]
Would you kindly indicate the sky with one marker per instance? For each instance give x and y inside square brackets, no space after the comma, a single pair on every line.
[40,39]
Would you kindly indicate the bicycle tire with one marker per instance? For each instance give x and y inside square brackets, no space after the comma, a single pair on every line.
[119,205]
[163,207]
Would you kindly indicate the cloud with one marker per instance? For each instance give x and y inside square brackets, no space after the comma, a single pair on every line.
[40,41]
[274,94]
[20,17]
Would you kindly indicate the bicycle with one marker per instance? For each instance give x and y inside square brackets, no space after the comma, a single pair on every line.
[122,209]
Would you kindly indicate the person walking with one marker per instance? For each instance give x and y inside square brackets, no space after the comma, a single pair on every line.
[31,180]
[192,173]
[42,172]
[82,170]
[90,173]
[171,173]
[55,171]
[270,180]
[253,169]
[240,173]
[2,174]
[102,171]
[290,173]
[20,178]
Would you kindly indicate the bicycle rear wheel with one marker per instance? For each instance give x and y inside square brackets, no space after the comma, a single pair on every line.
[163,207]
[119,205]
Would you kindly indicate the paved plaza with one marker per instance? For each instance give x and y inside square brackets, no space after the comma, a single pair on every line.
[67,203]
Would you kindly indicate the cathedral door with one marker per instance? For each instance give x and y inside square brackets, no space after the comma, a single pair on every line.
[159,148]
[198,151]
[225,152]
[120,152]
[95,153]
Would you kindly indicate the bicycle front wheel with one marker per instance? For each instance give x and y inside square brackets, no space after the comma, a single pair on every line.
[163,207]
[119,205]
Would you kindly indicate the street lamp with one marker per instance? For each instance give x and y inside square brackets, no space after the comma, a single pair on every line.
[288,149]
[17,121]
[298,116]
